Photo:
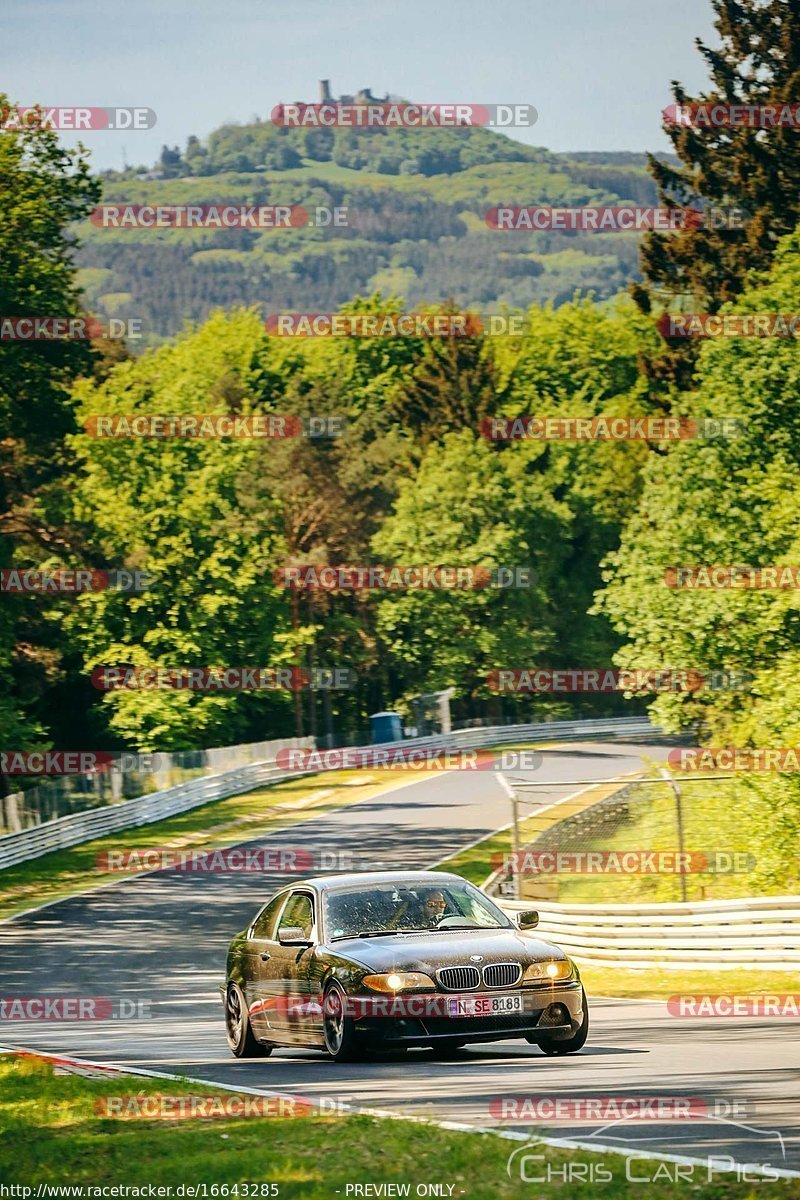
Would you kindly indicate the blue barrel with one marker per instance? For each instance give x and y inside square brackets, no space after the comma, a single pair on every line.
[386,727]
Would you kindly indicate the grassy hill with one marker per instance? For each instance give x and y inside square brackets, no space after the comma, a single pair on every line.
[416,206]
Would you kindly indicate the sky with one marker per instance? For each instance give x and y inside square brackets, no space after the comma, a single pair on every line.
[597,71]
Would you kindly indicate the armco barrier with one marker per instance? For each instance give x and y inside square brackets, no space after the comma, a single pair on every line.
[142,810]
[133,775]
[79,827]
[717,934]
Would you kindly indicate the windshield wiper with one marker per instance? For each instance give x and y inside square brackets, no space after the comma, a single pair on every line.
[443,929]
[368,933]
[365,933]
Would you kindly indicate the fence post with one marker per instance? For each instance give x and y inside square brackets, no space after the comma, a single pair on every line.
[679,819]
[515,847]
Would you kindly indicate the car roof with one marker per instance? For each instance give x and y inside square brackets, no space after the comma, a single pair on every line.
[326,883]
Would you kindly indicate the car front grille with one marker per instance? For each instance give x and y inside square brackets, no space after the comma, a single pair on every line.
[498,975]
[459,979]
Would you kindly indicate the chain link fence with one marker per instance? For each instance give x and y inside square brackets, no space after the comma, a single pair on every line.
[655,840]
[127,776]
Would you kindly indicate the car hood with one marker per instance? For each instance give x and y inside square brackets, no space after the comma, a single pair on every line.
[429,951]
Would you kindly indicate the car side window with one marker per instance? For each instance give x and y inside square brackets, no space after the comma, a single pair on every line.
[265,924]
[299,911]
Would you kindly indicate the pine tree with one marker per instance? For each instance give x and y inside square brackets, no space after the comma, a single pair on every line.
[754,169]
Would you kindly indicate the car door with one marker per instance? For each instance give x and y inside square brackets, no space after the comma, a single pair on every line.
[297,1017]
[261,947]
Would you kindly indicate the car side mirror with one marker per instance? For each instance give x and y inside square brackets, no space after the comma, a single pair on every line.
[527,920]
[293,935]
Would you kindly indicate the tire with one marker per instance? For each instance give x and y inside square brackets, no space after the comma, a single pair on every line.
[237,1026]
[570,1045]
[341,1040]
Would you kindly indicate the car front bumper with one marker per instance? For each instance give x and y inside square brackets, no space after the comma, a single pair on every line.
[556,1009]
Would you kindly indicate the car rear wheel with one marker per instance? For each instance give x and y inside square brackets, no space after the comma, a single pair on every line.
[237,1026]
[339,1030]
[568,1045]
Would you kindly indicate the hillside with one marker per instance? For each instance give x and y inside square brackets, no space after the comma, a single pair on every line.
[417,202]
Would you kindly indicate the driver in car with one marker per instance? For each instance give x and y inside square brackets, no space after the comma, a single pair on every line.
[434,905]
[426,909]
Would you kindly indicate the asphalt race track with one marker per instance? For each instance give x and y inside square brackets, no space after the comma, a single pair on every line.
[159,941]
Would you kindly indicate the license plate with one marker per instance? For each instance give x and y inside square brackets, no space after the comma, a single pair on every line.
[483,1006]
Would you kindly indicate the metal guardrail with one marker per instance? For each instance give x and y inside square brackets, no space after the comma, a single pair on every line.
[763,932]
[127,776]
[75,828]
[557,731]
[71,830]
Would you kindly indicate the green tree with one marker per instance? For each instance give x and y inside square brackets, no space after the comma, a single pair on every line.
[470,506]
[44,190]
[581,360]
[184,511]
[757,170]
[723,501]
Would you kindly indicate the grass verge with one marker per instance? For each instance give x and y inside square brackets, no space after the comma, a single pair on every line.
[658,984]
[51,1133]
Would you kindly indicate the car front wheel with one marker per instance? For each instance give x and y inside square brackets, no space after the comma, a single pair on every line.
[237,1026]
[341,1040]
[568,1045]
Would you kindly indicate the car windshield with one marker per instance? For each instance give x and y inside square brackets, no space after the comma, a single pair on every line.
[408,907]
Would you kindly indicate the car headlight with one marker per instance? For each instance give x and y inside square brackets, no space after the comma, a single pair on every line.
[400,981]
[548,972]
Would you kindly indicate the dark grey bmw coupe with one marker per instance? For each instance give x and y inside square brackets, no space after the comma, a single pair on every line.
[351,963]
